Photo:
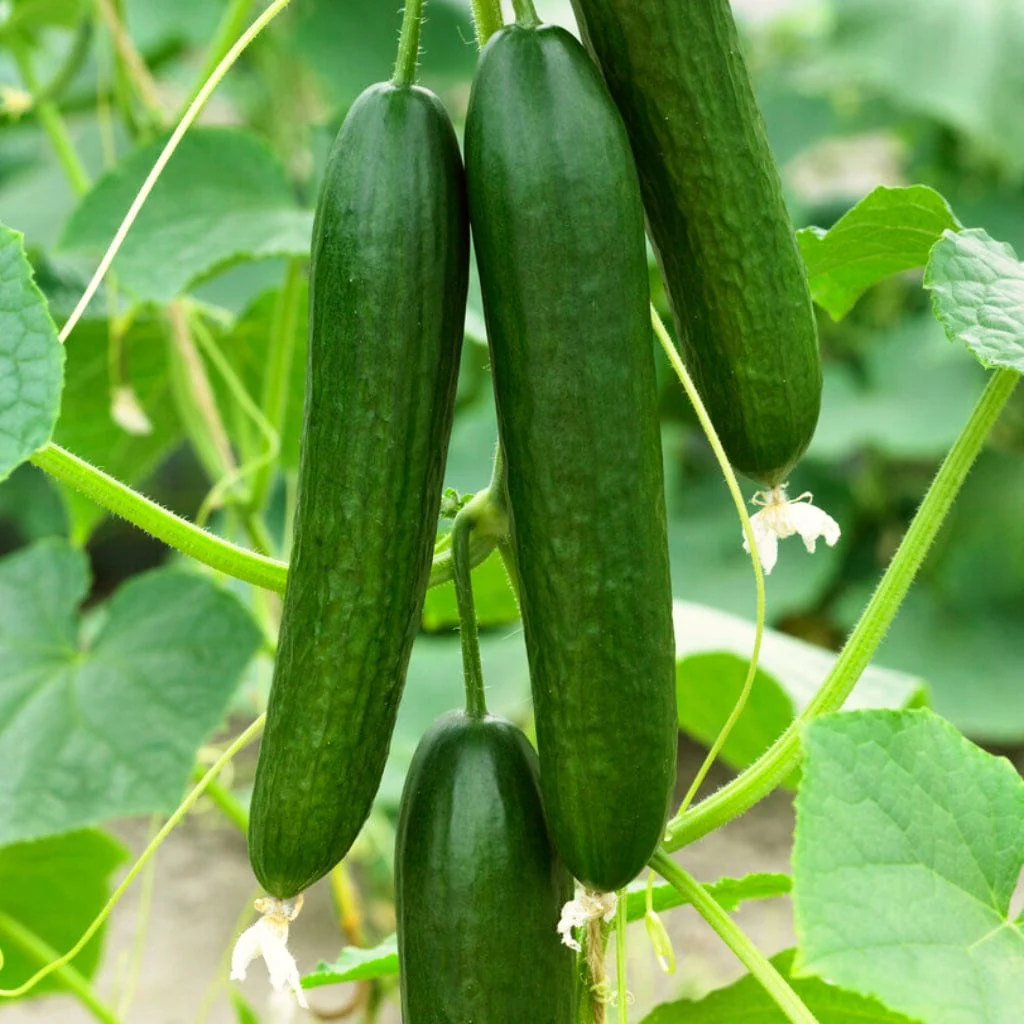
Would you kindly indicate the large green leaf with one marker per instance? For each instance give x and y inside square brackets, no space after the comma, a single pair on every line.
[909,844]
[222,198]
[747,1002]
[890,230]
[88,429]
[53,888]
[107,725]
[31,359]
[713,655]
[959,63]
[977,287]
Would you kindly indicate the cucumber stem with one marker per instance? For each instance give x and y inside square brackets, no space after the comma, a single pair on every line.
[476,703]
[734,937]
[487,19]
[621,992]
[776,763]
[526,13]
[409,44]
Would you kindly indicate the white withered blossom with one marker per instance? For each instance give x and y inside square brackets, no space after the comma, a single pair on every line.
[588,906]
[781,517]
[268,938]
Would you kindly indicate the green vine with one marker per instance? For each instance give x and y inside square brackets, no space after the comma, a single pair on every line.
[733,936]
[409,44]
[487,19]
[768,772]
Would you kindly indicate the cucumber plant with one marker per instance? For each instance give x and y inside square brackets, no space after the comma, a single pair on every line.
[567,153]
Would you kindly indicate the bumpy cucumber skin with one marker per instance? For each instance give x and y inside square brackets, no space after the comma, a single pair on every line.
[558,230]
[388,281]
[718,221]
[478,886]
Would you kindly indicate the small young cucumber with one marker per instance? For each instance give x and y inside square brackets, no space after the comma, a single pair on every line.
[718,221]
[559,236]
[388,283]
[478,887]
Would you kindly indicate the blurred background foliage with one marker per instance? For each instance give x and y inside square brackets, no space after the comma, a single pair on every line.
[855,93]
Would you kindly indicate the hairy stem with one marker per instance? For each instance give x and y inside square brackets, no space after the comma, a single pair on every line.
[160,522]
[487,19]
[735,938]
[409,44]
[476,702]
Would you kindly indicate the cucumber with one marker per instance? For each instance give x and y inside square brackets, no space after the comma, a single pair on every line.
[388,282]
[718,221]
[559,236]
[478,887]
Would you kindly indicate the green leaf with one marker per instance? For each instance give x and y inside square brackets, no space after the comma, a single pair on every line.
[889,230]
[244,1013]
[245,209]
[54,888]
[31,506]
[31,359]
[746,1001]
[977,287]
[907,397]
[958,63]
[27,17]
[107,726]
[729,893]
[493,598]
[909,844]
[355,964]
[86,426]
[712,658]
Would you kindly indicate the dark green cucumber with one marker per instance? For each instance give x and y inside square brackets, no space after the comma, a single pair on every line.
[718,221]
[388,282]
[559,236]
[478,887]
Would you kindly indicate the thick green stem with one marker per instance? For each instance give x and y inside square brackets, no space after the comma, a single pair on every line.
[526,13]
[476,702]
[52,122]
[274,400]
[69,977]
[733,936]
[409,44]
[179,533]
[782,757]
[487,19]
